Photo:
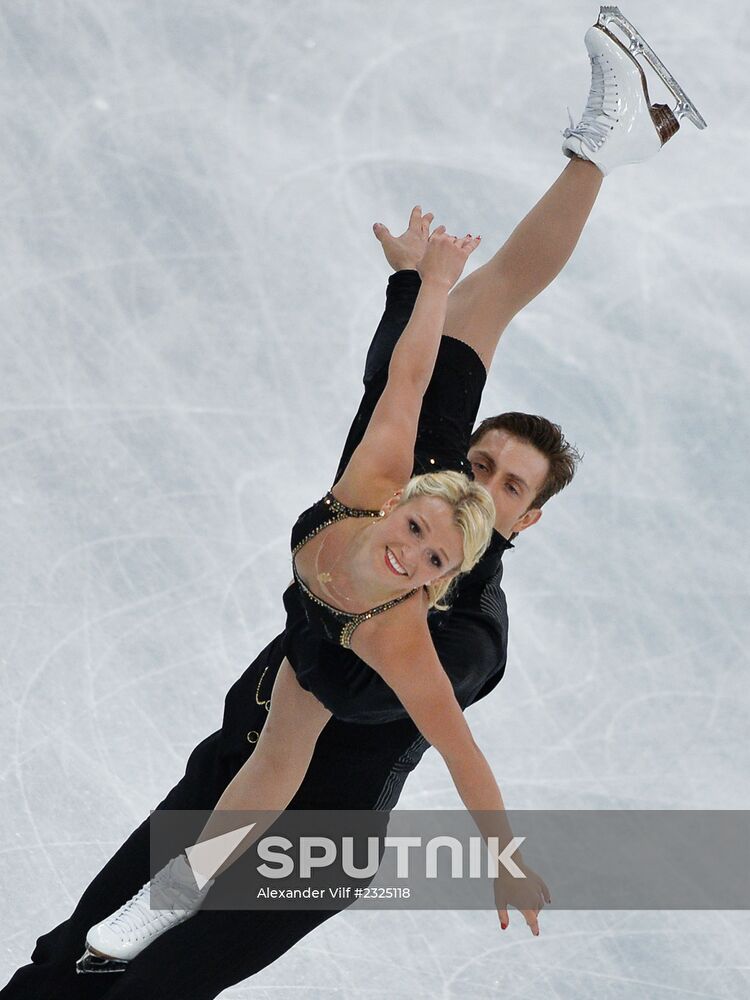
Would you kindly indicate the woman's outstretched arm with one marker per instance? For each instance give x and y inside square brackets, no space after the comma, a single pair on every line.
[402,652]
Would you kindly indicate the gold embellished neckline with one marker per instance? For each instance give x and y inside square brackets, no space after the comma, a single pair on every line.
[339,512]
[354,619]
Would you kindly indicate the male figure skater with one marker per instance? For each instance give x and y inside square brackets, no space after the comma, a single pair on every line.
[522,460]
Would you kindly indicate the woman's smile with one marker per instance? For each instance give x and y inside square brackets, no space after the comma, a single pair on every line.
[393,564]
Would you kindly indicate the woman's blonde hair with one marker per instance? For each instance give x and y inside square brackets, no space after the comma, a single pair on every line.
[473,513]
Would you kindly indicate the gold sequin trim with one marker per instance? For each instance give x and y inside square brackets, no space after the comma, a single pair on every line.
[258,700]
[340,512]
[347,630]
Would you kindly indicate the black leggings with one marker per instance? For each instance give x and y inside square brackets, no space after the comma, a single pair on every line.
[198,959]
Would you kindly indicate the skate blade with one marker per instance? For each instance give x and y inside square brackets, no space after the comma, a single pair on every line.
[91,962]
[640,47]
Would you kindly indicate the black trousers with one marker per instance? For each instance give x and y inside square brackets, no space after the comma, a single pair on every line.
[354,766]
[198,959]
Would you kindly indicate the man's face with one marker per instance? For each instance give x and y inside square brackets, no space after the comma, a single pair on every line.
[513,471]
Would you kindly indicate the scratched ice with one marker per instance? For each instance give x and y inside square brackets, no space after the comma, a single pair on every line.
[189,282]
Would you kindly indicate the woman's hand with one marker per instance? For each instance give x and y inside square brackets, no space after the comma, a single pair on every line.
[445,257]
[527,894]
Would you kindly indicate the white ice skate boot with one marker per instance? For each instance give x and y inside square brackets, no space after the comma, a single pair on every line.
[111,944]
[619,124]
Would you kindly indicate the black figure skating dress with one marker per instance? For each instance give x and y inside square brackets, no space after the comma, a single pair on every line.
[314,629]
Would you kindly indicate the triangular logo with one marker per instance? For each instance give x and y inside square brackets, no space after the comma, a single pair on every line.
[210,855]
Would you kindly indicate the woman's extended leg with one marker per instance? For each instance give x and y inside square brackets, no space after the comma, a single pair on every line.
[618,126]
[270,778]
[485,301]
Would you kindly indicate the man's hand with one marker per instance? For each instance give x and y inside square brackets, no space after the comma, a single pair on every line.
[407,250]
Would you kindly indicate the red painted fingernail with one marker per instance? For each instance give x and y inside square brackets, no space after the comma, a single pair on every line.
[503,926]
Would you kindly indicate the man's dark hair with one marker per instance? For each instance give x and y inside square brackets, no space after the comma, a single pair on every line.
[547,438]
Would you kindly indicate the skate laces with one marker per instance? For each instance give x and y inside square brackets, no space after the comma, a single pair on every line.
[137,914]
[600,111]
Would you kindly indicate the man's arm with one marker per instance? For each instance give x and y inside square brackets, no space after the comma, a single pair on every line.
[400,297]
[383,459]
[403,253]
[401,294]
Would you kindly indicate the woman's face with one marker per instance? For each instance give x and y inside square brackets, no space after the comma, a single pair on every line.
[416,542]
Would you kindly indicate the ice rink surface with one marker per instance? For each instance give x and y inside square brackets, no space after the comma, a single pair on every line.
[189,284]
